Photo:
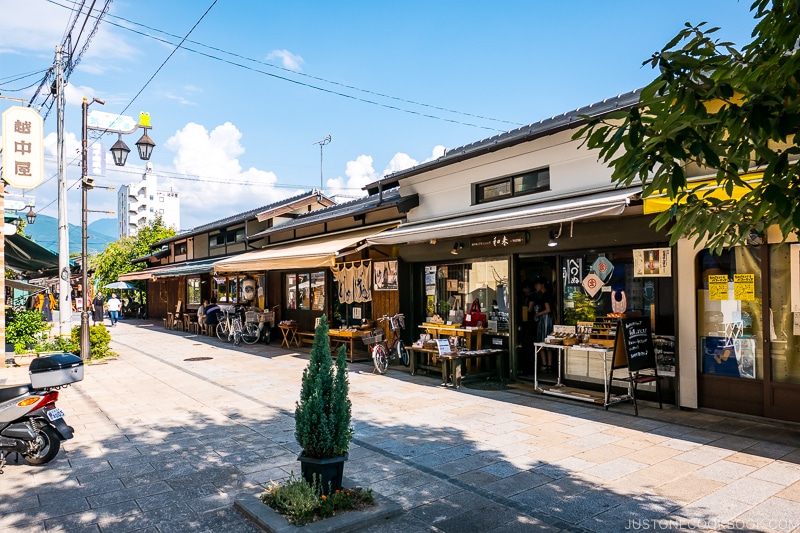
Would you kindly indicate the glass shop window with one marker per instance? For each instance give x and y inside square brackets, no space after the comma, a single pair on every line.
[729,321]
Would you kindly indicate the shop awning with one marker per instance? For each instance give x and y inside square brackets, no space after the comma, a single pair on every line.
[703,189]
[24,255]
[309,253]
[546,213]
[145,274]
[22,286]
[205,266]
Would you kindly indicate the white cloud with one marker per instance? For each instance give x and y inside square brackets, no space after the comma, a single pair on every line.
[399,162]
[213,156]
[359,173]
[288,59]
[180,99]
[437,152]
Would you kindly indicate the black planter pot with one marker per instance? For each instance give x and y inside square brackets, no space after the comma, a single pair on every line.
[327,472]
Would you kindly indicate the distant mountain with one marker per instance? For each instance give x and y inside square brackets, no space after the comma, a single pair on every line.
[45,233]
[105,226]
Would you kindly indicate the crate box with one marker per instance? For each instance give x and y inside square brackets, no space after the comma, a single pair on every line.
[56,370]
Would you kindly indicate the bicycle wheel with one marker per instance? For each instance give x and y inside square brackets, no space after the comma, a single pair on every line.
[380,358]
[250,333]
[402,353]
[222,331]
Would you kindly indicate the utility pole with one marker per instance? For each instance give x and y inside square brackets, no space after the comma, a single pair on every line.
[64,287]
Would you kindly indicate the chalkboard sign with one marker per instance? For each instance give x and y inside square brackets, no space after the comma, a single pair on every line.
[633,345]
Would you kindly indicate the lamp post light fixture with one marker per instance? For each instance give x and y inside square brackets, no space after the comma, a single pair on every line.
[31,216]
[120,154]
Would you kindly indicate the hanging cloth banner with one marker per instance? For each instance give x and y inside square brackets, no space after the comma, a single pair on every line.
[354,281]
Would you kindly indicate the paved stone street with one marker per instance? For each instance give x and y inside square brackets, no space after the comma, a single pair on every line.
[164,445]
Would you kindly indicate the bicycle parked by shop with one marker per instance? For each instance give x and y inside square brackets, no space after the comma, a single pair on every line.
[232,328]
[383,351]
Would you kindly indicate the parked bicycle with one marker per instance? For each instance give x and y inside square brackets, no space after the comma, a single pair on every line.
[231,327]
[383,351]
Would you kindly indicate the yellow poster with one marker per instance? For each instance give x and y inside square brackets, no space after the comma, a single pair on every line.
[718,287]
[744,287]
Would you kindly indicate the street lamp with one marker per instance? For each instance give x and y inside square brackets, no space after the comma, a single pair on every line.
[31,216]
[120,154]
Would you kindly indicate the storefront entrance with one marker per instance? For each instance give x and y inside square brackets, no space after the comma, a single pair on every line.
[748,336]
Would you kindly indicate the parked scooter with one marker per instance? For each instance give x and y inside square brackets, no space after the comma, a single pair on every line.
[30,423]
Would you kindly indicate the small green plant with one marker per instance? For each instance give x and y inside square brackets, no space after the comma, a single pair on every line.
[57,344]
[583,310]
[99,339]
[322,415]
[301,503]
[24,329]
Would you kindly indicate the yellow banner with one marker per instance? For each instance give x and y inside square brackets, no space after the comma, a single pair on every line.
[704,189]
[744,287]
[718,287]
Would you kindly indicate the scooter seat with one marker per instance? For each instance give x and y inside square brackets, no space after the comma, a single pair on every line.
[13,391]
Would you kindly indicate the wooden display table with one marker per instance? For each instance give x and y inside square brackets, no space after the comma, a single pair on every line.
[452,368]
[472,335]
[289,335]
[345,337]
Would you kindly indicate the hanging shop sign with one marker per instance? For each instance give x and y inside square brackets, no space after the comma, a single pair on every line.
[573,271]
[385,275]
[498,240]
[592,284]
[652,263]
[23,147]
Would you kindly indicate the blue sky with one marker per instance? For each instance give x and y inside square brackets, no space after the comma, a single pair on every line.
[231,138]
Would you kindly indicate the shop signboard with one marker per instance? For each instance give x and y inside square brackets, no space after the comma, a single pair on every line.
[635,344]
[23,147]
[573,271]
[652,263]
[498,240]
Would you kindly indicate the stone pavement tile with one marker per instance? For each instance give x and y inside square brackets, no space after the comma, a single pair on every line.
[748,459]
[584,429]
[224,521]
[517,483]
[476,478]
[774,514]
[710,509]
[402,482]
[525,524]
[124,494]
[594,440]
[122,473]
[553,453]
[770,450]
[176,497]
[778,472]
[466,464]
[724,471]
[477,520]
[650,454]
[680,444]
[631,515]
[401,524]
[214,502]
[92,516]
[704,455]
[84,491]
[749,490]
[792,492]
[576,508]
[668,470]
[422,494]
[602,453]
[615,468]
[632,484]
[687,489]
[502,469]
[449,506]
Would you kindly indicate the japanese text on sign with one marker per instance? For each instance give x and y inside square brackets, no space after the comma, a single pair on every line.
[718,287]
[744,287]
[23,147]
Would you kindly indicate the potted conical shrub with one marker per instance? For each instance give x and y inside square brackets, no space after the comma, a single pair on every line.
[322,415]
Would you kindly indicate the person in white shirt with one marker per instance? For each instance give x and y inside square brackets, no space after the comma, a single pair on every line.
[114,305]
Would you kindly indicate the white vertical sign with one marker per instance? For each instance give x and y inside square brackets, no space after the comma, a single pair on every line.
[23,147]
[97,160]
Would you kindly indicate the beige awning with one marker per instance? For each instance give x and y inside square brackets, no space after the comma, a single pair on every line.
[308,253]
[141,274]
[590,206]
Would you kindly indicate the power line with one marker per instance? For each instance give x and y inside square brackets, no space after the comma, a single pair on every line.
[311,86]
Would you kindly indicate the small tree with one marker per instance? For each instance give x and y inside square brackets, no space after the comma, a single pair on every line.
[323,413]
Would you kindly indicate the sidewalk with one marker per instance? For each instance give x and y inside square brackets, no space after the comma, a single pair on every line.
[164,443]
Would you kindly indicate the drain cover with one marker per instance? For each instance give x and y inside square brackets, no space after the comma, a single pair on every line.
[198,359]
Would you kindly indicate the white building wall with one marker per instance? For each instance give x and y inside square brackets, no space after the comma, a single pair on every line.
[139,203]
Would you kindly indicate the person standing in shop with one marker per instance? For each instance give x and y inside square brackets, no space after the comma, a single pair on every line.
[543,318]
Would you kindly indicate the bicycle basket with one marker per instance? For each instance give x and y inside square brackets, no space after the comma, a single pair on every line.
[251,316]
[372,338]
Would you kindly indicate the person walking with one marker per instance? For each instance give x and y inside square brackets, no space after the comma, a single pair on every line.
[114,305]
[98,304]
